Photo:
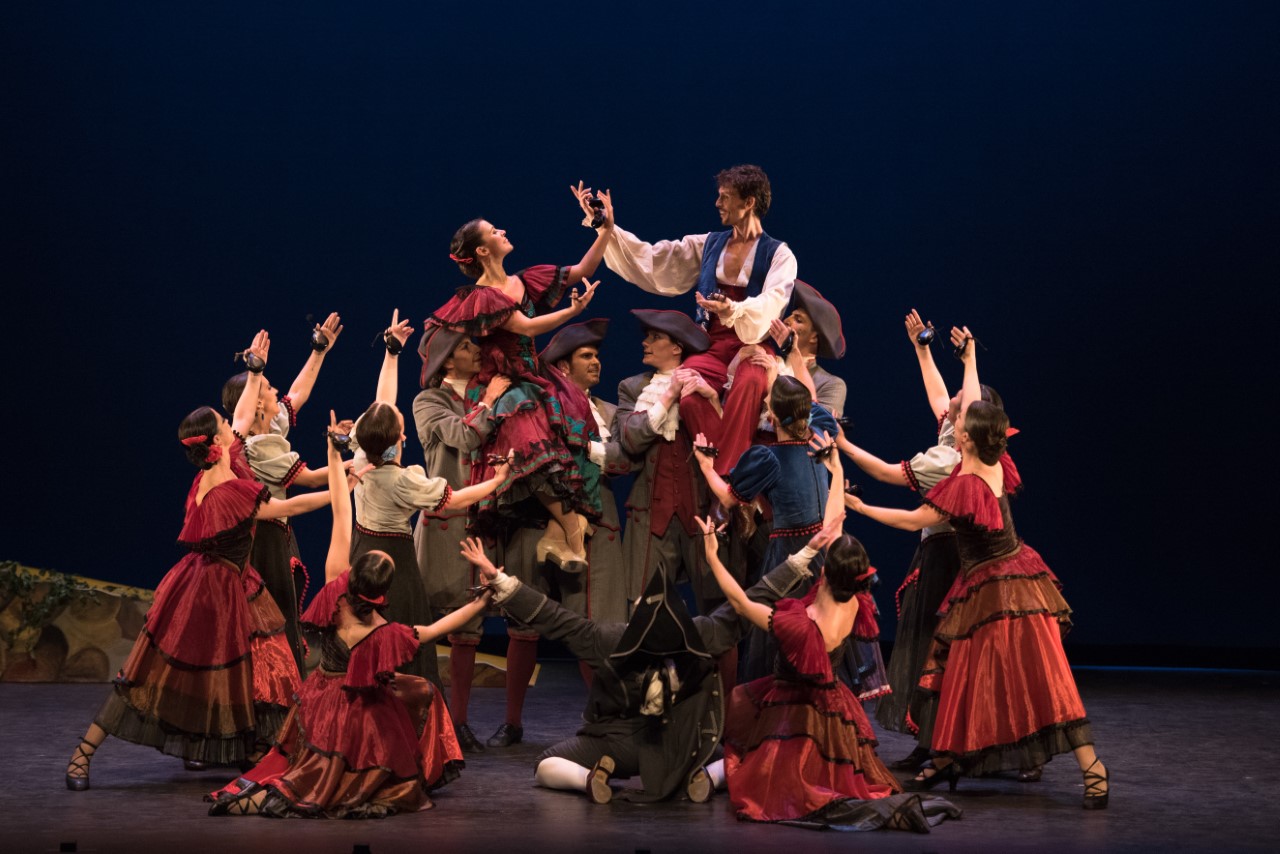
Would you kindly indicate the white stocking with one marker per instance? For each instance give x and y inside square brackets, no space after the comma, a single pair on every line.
[556,772]
[716,771]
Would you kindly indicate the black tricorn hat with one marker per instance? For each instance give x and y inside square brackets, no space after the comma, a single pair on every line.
[660,627]
[570,338]
[825,319]
[436,345]
[678,325]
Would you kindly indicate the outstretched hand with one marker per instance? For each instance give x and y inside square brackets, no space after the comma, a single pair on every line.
[260,347]
[709,532]
[823,447]
[962,340]
[704,450]
[399,329]
[720,306]
[915,326]
[830,531]
[473,551]
[330,329]
[852,501]
[578,302]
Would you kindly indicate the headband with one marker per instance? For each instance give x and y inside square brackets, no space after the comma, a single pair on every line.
[193,440]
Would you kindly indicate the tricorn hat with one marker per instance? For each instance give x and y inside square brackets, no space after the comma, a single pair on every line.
[570,338]
[659,627]
[823,315]
[676,324]
[436,345]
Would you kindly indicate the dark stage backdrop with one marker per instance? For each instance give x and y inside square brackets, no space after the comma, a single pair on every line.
[1091,187]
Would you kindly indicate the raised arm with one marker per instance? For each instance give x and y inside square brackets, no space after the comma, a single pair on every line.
[468,495]
[753,612]
[707,462]
[533,326]
[935,388]
[388,378]
[586,268]
[297,505]
[339,557]
[246,407]
[962,339]
[454,620]
[871,464]
[922,517]
[823,446]
[327,332]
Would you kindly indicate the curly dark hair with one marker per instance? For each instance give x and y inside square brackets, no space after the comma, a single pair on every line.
[749,182]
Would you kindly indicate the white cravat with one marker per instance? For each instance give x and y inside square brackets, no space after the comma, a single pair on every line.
[663,421]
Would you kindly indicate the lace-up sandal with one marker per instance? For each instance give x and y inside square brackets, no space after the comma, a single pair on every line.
[78,768]
[1097,787]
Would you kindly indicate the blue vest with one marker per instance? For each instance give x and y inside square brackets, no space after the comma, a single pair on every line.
[766,248]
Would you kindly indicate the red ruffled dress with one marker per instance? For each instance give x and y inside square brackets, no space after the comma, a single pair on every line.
[211,672]
[799,749]
[544,418]
[1007,699]
[362,741]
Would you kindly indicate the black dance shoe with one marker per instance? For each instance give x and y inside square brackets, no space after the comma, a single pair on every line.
[467,739]
[507,735]
[1030,775]
[598,788]
[195,765]
[1097,787]
[912,761]
[78,776]
[924,781]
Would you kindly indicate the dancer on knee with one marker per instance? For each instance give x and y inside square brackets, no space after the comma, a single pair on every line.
[210,676]
[278,466]
[363,740]
[656,705]
[798,746]
[389,495]
[1006,696]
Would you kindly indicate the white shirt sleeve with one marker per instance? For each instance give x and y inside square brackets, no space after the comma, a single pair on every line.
[668,267]
[750,318]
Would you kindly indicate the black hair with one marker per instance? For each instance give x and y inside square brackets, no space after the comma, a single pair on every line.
[992,397]
[201,422]
[464,243]
[370,577]
[846,560]
[379,429]
[791,403]
[749,182]
[231,391]
[988,428]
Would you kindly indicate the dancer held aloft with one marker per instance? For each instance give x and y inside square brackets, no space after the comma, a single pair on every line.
[210,676]
[798,746]
[389,495]
[363,740]
[1007,699]
[543,422]
[743,280]
[910,708]
[655,708]
[278,466]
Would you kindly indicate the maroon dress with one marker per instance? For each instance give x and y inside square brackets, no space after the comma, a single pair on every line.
[544,420]
[1007,699]
[799,749]
[362,740]
[211,672]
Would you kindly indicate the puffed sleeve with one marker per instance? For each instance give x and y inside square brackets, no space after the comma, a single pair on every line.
[286,418]
[374,660]
[272,460]
[474,310]
[415,491]
[545,284]
[322,613]
[820,418]
[800,641]
[225,506]
[757,471]
[967,497]
[928,468]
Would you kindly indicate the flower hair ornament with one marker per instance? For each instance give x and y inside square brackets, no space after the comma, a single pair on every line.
[193,440]
[215,454]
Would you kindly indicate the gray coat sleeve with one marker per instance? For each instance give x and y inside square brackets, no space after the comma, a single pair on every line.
[587,640]
[634,431]
[723,627]
[439,422]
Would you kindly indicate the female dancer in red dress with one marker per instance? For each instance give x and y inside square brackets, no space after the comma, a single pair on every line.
[543,418]
[363,741]
[211,676]
[798,746]
[1007,700]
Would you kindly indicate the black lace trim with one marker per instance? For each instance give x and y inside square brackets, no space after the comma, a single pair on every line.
[971,591]
[177,662]
[998,616]
[479,325]
[966,760]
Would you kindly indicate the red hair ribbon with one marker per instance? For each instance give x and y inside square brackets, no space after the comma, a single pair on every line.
[380,600]
[193,440]
[460,260]
[1010,432]
[871,570]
